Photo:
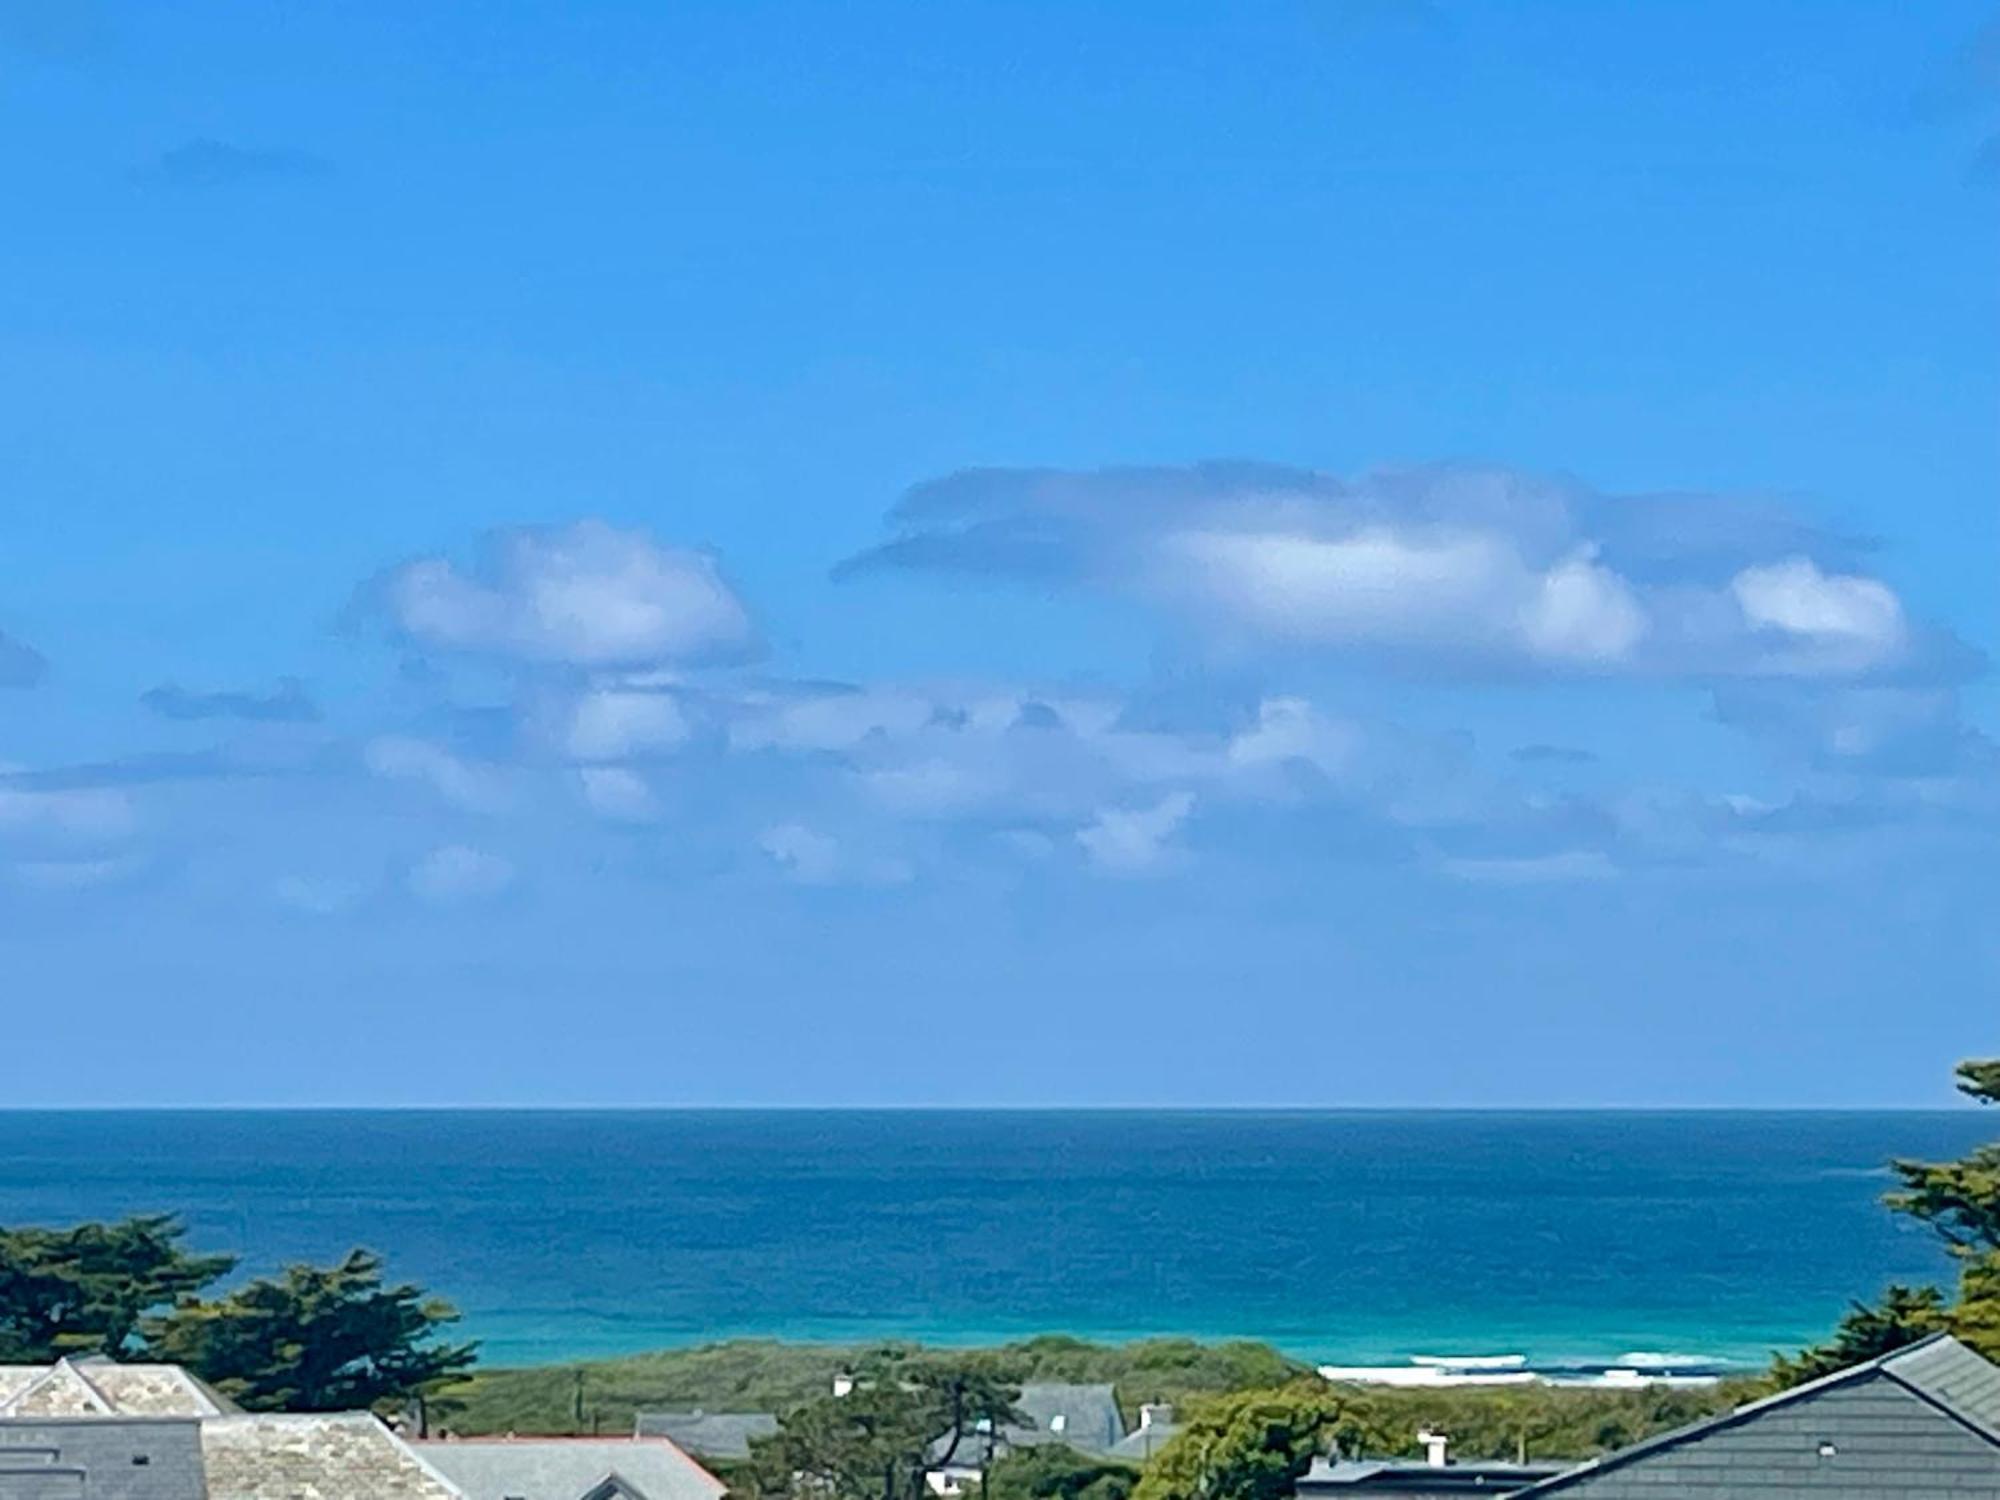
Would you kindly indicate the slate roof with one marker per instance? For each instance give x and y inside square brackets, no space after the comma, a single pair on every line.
[320,1456]
[708,1434]
[98,1387]
[1331,1478]
[1084,1417]
[1141,1443]
[103,1458]
[639,1468]
[1919,1422]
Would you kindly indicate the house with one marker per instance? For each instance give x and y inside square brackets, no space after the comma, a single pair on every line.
[88,1429]
[102,1458]
[623,1468]
[1083,1417]
[1921,1423]
[720,1435]
[1156,1428]
[1435,1479]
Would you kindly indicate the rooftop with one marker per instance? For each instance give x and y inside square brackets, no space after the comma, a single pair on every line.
[633,1468]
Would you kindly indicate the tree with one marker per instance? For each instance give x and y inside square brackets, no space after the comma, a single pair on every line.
[1904,1315]
[1056,1472]
[1960,1202]
[908,1412]
[315,1338]
[88,1288]
[1254,1445]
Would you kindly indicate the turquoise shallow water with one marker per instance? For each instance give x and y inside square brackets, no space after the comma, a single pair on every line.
[1362,1237]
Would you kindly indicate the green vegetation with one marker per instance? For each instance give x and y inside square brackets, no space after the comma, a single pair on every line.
[312,1339]
[89,1288]
[1254,1445]
[765,1375]
[1959,1201]
[909,1409]
[1053,1472]
[315,1339]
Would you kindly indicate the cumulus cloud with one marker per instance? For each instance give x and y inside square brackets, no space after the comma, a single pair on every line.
[611,724]
[1458,567]
[21,665]
[618,794]
[286,704]
[1881,731]
[1136,841]
[456,874]
[84,815]
[464,784]
[810,857]
[587,595]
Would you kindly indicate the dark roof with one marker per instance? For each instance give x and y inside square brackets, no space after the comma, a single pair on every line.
[710,1434]
[1924,1419]
[1083,1417]
[1338,1478]
[1142,1443]
[639,1468]
[103,1457]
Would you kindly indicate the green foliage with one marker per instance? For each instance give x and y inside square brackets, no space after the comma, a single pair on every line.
[909,1409]
[1980,1078]
[86,1289]
[1538,1422]
[1960,1202]
[1254,1445]
[765,1375]
[316,1338]
[1904,1315]
[1055,1472]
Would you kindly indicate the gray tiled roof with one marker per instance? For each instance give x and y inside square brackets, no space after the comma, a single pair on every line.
[83,1387]
[1915,1423]
[708,1434]
[332,1456]
[646,1468]
[1141,1443]
[1083,1417]
[104,1458]
[1330,1478]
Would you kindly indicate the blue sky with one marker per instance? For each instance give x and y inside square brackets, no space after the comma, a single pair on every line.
[1289,553]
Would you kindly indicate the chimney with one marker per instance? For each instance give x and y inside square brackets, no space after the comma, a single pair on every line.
[1435,1444]
[1155,1414]
[843,1384]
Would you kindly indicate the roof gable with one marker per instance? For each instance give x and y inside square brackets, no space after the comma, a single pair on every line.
[1918,1406]
[61,1391]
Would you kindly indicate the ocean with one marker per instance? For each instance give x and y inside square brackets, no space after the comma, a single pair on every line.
[1355,1237]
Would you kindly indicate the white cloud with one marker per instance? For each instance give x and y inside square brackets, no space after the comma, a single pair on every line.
[1134,841]
[619,794]
[1291,729]
[813,858]
[1464,569]
[79,815]
[585,595]
[456,873]
[318,895]
[1459,591]
[611,724]
[1837,622]
[1580,611]
[476,788]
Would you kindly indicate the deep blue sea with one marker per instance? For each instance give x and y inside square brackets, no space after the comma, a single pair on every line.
[1358,1236]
